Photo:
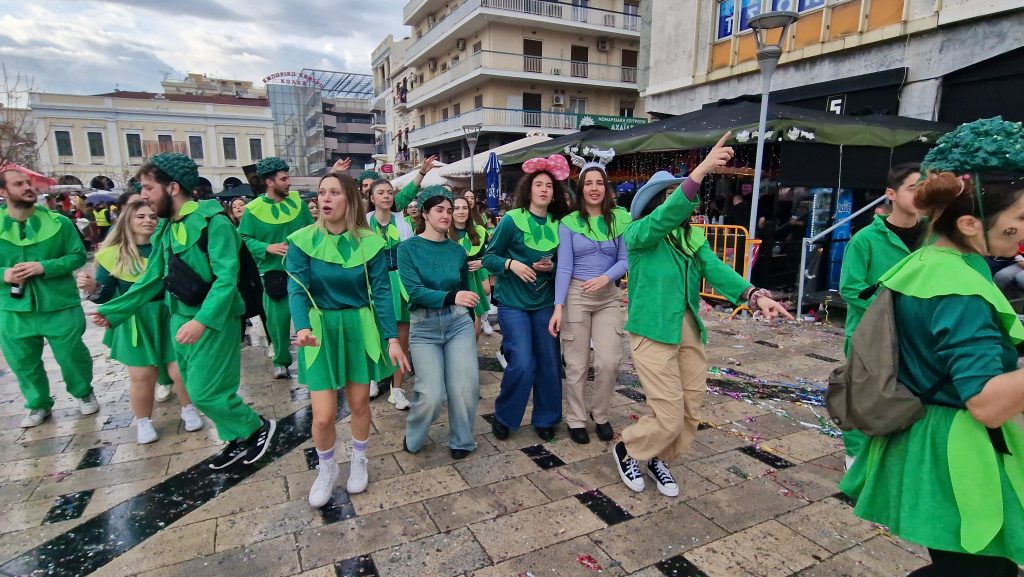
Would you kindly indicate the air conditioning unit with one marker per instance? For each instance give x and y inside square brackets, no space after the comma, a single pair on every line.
[558,100]
[556,71]
[460,44]
[602,45]
[432,64]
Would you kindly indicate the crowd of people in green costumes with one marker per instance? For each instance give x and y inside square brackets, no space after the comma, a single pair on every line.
[369,283]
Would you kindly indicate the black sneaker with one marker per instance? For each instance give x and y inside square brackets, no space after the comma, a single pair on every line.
[257,444]
[545,433]
[579,435]
[501,432]
[234,451]
[658,470]
[605,431]
[629,469]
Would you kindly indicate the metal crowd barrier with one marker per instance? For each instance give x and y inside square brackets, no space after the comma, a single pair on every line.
[731,244]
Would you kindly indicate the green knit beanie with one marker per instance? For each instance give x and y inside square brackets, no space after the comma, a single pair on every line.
[372,174]
[987,145]
[431,191]
[179,167]
[270,166]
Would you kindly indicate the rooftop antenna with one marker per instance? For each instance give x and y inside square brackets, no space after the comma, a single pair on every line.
[166,73]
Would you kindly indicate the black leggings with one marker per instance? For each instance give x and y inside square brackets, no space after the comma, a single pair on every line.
[950,564]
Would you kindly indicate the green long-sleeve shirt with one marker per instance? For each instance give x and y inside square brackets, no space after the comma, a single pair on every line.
[405,196]
[664,281]
[334,286]
[432,272]
[266,222]
[509,242]
[219,266]
[870,253]
[50,239]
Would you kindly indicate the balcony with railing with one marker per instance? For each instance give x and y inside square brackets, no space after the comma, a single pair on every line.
[495,120]
[513,65]
[560,15]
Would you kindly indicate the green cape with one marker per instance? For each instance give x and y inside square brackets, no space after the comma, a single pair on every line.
[541,238]
[598,229]
[40,227]
[272,212]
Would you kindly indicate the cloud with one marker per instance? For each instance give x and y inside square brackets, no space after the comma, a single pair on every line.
[87,47]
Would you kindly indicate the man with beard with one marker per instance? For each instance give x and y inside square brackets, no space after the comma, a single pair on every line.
[265,226]
[195,255]
[39,252]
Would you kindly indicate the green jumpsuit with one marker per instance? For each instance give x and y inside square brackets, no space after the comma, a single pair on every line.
[49,309]
[211,367]
[266,222]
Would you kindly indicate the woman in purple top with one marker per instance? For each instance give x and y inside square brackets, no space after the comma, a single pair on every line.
[591,261]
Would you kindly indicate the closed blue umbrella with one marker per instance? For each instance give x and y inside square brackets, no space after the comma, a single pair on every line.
[492,170]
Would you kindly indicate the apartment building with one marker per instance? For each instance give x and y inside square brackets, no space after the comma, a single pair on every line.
[113,134]
[392,123]
[203,85]
[946,60]
[515,66]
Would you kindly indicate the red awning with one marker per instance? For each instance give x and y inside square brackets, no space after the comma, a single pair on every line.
[38,180]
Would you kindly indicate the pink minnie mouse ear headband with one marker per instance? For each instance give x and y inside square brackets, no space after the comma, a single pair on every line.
[554,164]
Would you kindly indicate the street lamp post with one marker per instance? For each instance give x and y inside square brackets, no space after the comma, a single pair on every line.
[472,134]
[768,55]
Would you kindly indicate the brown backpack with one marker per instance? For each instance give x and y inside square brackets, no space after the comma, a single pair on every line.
[864,394]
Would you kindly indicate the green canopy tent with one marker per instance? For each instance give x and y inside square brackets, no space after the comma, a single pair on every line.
[704,127]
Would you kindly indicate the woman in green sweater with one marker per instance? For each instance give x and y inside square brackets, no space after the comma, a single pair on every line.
[143,344]
[340,298]
[954,480]
[521,255]
[473,238]
[667,261]
[435,272]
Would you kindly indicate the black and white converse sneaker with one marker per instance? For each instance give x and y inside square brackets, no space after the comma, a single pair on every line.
[256,446]
[234,451]
[658,471]
[629,469]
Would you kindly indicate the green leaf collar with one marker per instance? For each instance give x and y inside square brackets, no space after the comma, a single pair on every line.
[597,230]
[346,249]
[40,227]
[539,237]
[272,212]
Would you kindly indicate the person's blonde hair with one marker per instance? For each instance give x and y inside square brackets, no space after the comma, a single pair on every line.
[355,218]
[129,259]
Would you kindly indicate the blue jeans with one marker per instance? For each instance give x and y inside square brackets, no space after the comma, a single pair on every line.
[533,366]
[442,343]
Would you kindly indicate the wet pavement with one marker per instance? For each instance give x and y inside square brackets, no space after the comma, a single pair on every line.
[758,495]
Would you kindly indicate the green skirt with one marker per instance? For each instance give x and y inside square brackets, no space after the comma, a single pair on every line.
[941,484]
[476,284]
[144,340]
[342,356]
[399,298]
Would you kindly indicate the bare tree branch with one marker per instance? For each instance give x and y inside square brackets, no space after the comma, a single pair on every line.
[17,126]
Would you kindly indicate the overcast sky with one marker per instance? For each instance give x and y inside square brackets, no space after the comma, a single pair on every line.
[90,47]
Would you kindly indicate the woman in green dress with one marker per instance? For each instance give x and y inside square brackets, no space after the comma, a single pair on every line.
[954,480]
[473,238]
[144,343]
[392,228]
[340,299]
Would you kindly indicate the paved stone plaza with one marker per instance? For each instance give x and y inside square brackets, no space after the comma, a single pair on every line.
[759,496]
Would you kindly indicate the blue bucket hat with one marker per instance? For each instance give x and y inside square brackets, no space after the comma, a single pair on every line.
[659,182]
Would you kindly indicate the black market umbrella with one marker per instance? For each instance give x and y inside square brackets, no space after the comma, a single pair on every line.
[702,128]
[235,192]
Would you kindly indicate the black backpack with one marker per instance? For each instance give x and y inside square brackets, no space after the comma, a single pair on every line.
[250,285]
[865,393]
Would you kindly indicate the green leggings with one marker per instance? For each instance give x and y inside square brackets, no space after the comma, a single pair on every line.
[279,327]
[21,339]
[211,368]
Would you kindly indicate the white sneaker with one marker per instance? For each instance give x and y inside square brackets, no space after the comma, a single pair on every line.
[281,373]
[399,400]
[145,433]
[323,487]
[358,476]
[89,405]
[374,389]
[34,418]
[485,326]
[658,471]
[501,360]
[163,392]
[190,414]
[628,468]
